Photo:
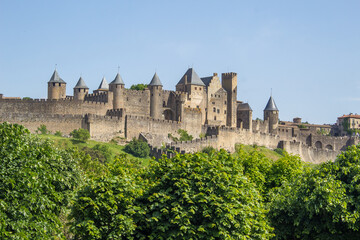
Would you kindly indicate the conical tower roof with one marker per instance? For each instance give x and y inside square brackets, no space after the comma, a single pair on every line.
[55,78]
[271,106]
[118,80]
[103,85]
[81,84]
[155,81]
[192,78]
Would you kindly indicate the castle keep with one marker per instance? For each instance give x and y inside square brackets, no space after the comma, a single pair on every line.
[201,106]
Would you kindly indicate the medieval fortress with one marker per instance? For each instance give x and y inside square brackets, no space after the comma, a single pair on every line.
[201,106]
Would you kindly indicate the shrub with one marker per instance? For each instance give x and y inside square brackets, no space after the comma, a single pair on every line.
[80,134]
[58,133]
[208,150]
[138,148]
[42,130]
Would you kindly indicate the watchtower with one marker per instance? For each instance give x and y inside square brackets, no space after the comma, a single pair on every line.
[80,90]
[155,87]
[117,87]
[229,83]
[271,114]
[56,87]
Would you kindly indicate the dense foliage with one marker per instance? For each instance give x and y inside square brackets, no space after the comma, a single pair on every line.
[324,203]
[36,181]
[80,134]
[138,148]
[212,194]
[191,196]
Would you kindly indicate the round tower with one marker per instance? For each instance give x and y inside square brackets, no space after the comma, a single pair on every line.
[56,87]
[271,114]
[117,88]
[80,90]
[155,88]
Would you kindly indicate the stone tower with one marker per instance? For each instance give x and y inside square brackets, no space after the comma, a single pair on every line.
[117,87]
[56,87]
[155,88]
[271,114]
[229,83]
[80,90]
[244,116]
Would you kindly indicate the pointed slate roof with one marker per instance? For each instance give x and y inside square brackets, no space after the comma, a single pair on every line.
[81,84]
[244,107]
[118,80]
[271,106]
[155,81]
[192,78]
[55,78]
[103,85]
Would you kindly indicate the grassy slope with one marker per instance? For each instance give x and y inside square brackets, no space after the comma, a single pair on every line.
[65,143]
[267,152]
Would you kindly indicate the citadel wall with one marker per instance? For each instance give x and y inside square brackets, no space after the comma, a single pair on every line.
[105,128]
[137,102]
[54,122]
[61,106]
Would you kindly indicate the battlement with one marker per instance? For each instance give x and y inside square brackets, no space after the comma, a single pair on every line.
[229,74]
[115,112]
[98,94]
[136,117]
[129,92]
[100,117]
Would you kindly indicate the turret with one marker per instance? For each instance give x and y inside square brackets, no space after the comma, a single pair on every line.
[80,90]
[271,114]
[155,88]
[56,87]
[117,87]
[229,83]
[103,87]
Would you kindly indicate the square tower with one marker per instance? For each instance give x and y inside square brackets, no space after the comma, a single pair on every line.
[229,83]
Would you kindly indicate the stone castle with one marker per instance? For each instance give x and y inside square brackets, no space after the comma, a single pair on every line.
[201,106]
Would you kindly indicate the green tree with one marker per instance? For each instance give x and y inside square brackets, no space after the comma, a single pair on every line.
[139,86]
[323,203]
[105,208]
[58,134]
[80,134]
[36,182]
[138,148]
[200,196]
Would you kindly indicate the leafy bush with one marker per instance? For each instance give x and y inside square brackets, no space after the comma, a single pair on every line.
[280,151]
[36,181]
[58,133]
[208,150]
[184,136]
[138,148]
[80,134]
[42,130]
[100,152]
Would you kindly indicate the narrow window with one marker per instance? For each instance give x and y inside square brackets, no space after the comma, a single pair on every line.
[195,88]
[218,111]
[215,118]
[225,102]
[214,109]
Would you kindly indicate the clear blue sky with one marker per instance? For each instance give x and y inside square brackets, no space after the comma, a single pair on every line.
[308,52]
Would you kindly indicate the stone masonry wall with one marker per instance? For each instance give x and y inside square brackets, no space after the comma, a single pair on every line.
[53,122]
[61,106]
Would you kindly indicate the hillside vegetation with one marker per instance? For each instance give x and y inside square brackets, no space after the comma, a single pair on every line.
[48,192]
